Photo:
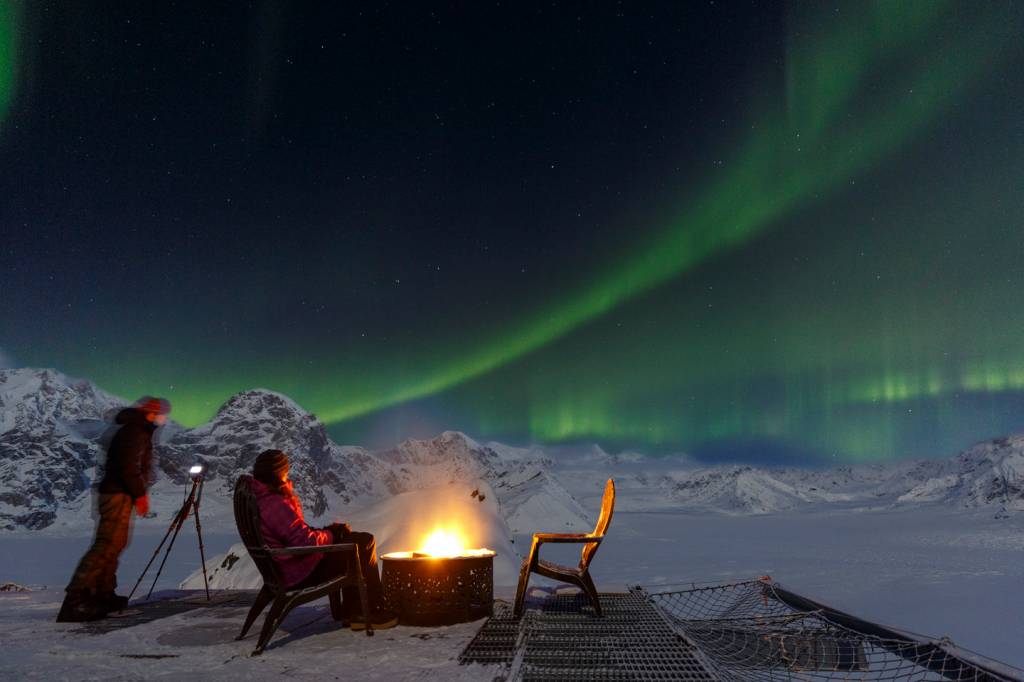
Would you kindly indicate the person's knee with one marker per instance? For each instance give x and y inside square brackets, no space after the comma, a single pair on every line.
[111,543]
[362,539]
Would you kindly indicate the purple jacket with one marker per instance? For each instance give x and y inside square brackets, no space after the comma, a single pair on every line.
[282,525]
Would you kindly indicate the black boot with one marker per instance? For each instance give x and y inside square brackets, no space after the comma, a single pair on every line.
[114,602]
[79,607]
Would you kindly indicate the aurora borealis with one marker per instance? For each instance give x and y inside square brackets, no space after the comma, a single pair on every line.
[789,233]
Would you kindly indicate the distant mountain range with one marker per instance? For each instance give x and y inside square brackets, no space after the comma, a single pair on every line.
[988,476]
[53,430]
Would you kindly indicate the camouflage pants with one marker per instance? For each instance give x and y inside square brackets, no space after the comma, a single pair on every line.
[97,571]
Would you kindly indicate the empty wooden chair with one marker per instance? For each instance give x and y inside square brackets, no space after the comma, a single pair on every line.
[579,576]
[247,518]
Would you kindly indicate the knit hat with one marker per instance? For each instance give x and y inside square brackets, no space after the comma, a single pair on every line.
[270,466]
[148,403]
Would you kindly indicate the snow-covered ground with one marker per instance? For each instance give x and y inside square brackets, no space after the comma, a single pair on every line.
[928,570]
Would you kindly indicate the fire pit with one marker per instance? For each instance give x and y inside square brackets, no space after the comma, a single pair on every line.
[439,585]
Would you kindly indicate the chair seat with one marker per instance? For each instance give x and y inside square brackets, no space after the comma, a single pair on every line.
[552,567]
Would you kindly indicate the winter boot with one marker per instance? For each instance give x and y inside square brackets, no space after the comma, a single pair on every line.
[378,620]
[114,602]
[80,607]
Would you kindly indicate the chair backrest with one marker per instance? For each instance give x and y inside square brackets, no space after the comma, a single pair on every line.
[247,519]
[603,521]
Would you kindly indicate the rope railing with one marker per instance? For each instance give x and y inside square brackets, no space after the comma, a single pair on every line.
[757,630]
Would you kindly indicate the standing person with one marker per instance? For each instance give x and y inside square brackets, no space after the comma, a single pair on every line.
[282,525]
[90,594]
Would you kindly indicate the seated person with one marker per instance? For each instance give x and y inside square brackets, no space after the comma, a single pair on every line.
[282,525]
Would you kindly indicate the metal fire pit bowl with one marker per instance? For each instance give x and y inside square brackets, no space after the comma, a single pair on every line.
[426,590]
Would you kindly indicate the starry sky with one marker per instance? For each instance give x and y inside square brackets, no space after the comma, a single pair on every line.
[781,233]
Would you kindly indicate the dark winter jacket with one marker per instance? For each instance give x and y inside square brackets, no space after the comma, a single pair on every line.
[130,456]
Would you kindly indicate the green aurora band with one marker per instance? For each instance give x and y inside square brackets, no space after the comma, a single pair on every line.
[790,160]
[8,54]
[853,96]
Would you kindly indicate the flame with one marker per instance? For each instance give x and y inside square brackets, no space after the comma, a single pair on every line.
[443,543]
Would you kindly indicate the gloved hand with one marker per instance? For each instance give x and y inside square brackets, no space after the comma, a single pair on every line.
[142,505]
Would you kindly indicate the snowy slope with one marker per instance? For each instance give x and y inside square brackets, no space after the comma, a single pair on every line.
[526,490]
[989,474]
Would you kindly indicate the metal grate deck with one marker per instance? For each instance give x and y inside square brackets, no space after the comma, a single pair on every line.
[564,640]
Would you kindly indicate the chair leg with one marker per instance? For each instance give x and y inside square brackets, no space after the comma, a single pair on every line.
[335,599]
[588,586]
[274,618]
[364,601]
[360,582]
[262,599]
[524,579]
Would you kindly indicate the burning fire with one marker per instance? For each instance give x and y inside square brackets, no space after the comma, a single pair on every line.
[443,543]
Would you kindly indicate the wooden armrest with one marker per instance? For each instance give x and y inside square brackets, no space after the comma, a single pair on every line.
[310,549]
[566,537]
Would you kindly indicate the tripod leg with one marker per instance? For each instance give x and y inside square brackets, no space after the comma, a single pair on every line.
[202,554]
[174,522]
[182,515]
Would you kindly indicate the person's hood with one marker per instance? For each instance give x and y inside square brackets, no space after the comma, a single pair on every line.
[130,415]
[259,489]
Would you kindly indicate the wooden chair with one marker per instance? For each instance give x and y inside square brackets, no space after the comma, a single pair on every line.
[247,518]
[579,576]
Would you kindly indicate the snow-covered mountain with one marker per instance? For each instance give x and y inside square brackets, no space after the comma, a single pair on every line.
[52,429]
[989,474]
[258,420]
[329,477]
[50,453]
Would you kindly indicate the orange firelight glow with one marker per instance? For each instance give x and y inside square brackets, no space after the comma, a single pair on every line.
[443,543]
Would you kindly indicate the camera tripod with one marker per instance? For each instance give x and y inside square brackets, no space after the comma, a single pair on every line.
[191,504]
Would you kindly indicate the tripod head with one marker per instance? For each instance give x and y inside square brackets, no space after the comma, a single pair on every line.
[196,472]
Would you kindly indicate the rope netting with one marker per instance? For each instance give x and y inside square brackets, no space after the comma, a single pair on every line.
[756,630]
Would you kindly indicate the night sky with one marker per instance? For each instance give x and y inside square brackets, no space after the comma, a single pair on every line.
[740,230]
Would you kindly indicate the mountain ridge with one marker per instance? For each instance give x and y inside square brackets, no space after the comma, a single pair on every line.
[52,430]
